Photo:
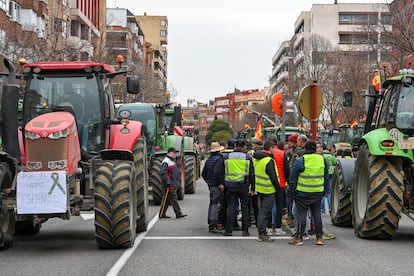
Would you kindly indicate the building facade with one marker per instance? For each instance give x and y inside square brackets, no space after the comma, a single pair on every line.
[155,29]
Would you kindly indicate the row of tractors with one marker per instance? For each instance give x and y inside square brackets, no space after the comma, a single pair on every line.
[65,150]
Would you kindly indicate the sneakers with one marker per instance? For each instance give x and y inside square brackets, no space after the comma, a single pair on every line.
[320,241]
[306,237]
[220,226]
[215,231]
[264,238]
[295,242]
[279,232]
[181,216]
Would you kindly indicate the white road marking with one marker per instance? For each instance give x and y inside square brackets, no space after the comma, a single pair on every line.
[116,268]
[213,238]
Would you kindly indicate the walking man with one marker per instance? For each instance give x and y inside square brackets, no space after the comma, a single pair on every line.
[266,185]
[308,182]
[216,189]
[170,176]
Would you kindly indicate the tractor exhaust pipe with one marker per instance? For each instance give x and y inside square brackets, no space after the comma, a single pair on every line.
[9,113]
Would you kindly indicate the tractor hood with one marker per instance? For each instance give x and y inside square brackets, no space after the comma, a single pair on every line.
[51,123]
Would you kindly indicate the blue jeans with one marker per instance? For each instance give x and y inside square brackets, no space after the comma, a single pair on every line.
[328,196]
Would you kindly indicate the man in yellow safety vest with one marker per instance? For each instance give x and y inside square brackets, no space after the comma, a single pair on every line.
[266,185]
[308,181]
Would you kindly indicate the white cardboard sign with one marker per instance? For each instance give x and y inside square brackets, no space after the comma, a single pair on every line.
[41,192]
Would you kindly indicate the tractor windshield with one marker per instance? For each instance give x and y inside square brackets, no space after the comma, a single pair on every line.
[77,94]
[405,108]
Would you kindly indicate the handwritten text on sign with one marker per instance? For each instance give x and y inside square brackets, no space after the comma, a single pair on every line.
[41,192]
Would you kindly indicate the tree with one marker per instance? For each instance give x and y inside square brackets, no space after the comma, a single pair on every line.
[216,126]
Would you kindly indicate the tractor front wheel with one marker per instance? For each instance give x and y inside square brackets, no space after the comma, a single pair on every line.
[377,195]
[115,205]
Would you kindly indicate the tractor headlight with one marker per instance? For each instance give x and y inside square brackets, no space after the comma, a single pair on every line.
[59,134]
[34,165]
[59,164]
[31,135]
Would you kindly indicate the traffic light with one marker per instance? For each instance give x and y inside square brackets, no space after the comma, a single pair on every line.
[347,99]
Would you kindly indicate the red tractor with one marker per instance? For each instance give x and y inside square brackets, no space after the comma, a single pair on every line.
[70,154]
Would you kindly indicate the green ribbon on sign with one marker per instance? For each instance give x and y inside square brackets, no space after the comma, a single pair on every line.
[55,178]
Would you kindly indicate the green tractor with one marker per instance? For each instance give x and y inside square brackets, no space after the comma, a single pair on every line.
[371,192]
[163,129]
[277,131]
[351,135]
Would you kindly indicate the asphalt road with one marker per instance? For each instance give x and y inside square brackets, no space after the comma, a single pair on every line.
[185,247]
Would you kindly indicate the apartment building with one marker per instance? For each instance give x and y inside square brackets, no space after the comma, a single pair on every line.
[155,29]
[343,25]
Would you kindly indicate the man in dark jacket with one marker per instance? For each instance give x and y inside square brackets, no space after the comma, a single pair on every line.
[216,189]
[308,181]
[170,176]
[237,174]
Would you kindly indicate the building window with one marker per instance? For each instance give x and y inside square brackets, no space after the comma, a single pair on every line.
[74,28]
[358,19]
[163,33]
[84,32]
[84,56]
[355,38]
[14,11]
[2,37]
[3,5]
[163,23]
[58,25]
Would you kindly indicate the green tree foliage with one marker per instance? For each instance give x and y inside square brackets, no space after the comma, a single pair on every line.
[219,131]
[221,136]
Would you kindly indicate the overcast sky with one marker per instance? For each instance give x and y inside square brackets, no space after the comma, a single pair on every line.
[217,45]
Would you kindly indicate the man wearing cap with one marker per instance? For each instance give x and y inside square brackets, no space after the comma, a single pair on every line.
[216,189]
[237,174]
[170,176]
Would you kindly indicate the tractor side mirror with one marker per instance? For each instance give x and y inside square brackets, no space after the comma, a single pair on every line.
[133,85]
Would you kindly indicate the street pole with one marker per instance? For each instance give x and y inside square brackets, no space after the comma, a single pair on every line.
[283,138]
[314,109]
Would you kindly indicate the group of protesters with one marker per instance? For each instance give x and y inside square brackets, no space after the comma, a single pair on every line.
[266,180]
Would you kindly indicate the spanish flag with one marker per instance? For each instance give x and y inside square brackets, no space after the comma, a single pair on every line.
[353,124]
[376,81]
[247,126]
[259,135]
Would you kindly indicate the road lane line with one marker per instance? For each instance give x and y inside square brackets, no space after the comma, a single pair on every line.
[212,238]
[116,268]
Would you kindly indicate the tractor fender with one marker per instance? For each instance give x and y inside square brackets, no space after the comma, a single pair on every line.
[347,166]
[374,139]
[125,140]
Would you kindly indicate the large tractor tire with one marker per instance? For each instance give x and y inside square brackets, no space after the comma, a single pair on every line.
[190,174]
[341,205]
[377,195]
[7,217]
[115,205]
[155,180]
[141,181]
